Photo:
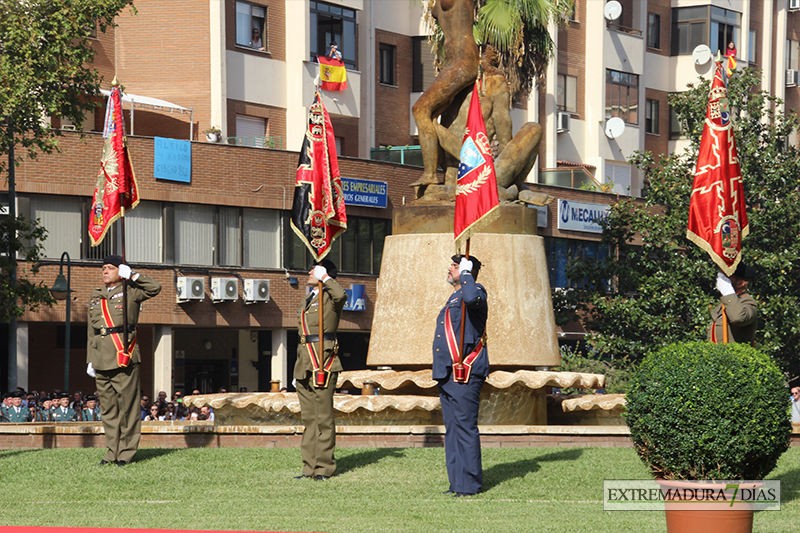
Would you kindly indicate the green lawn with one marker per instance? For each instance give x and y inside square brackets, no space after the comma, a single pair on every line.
[378,490]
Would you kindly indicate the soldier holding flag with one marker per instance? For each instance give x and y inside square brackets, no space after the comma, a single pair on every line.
[318,217]
[112,352]
[718,219]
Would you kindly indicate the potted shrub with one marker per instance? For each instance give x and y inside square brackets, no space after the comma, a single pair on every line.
[702,411]
[213,134]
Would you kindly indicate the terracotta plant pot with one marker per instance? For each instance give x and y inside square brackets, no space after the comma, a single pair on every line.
[736,518]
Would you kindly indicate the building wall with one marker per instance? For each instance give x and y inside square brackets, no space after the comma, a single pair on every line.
[393,101]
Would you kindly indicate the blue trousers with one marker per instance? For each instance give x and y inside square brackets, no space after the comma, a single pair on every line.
[462,442]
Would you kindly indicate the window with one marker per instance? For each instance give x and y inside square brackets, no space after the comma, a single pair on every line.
[710,25]
[752,42]
[561,251]
[567,93]
[654,31]
[619,176]
[333,23]
[677,127]
[61,217]
[195,234]
[261,238]
[622,96]
[387,63]
[357,250]
[251,26]
[251,131]
[422,65]
[651,116]
[144,233]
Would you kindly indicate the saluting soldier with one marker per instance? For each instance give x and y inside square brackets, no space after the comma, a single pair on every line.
[91,413]
[736,307]
[460,375]
[316,376]
[117,372]
[64,413]
[17,412]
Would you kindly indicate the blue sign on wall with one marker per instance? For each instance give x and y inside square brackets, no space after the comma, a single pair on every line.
[356,298]
[172,160]
[365,192]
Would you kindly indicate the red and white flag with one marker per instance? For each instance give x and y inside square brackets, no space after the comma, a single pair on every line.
[717,211]
[318,211]
[116,189]
[476,188]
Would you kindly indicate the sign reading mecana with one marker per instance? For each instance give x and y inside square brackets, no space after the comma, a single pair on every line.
[581,216]
[365,192]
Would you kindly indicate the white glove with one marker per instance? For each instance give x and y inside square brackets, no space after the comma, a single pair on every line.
[125,271]
[90,371]
[465,265]
[724,285]
[320,272]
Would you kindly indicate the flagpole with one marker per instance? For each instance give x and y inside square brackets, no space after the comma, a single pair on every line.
[463,314]
[124,281]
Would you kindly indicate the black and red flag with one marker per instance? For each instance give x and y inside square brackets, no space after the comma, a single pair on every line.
[318,210]
[717,210]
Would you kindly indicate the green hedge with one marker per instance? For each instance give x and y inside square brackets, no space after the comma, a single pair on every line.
[706,411]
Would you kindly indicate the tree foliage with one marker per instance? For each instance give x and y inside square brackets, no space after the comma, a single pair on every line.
[46,66]
[518,29]
[46,70]
[649,295]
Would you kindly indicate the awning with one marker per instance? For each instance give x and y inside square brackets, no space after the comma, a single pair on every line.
[156,104]
[564,163]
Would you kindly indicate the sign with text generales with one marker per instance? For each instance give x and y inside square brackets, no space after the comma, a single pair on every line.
[172,160]
[581,216]
[365,192]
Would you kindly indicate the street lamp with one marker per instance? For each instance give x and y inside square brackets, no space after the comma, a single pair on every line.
[60,291]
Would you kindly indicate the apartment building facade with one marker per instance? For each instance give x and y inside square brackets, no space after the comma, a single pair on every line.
[188,66]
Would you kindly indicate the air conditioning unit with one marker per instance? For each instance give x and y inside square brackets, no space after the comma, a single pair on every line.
[794,5]
[562,122]
[797,78]
[189,288]
[224,290]
[256,290]
[791,76]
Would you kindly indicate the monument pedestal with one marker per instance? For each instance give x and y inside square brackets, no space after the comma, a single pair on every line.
[412,289]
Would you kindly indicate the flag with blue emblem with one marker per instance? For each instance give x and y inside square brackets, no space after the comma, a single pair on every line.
[717,210]
[476,188]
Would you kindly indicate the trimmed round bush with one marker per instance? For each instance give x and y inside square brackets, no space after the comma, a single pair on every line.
[708,411]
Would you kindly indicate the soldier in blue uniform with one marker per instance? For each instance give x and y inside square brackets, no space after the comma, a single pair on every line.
[44,412]
[63,412]
[90,413]
[461,377]
[17,412]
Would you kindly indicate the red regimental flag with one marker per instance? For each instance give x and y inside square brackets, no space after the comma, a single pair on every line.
[318,210]
[116,189]
[476,188]
[717,212]
[332,74]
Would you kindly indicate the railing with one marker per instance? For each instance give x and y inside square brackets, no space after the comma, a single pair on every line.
[623,29]
[572,177]
[257,142]
[405,155]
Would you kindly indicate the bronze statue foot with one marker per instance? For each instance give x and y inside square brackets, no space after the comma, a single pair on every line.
[507,194]
[426,179]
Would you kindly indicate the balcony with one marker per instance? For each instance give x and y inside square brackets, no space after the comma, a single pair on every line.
[273,141]
[405,155]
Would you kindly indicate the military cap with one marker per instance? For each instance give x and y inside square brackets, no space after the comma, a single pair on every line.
[90,398]
[15,394]
[476,265]
[64,395]
[330,267]
[745,271]
[115,260]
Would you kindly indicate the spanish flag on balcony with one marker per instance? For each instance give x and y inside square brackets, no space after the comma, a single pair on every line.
[332,74]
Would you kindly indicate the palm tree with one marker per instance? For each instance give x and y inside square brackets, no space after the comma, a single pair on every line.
[518,30]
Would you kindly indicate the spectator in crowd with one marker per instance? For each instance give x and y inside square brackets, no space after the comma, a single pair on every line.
[206,413]
[195,392]
[91,413]
[64,413]
[194,414]
[152,414]
[145,406]
[77,401]
[162,396]
[170,413]
[333,52]
[182,412]
[177,396]
[45,411]
[242,389]
[255,40]
[796,405]
[17,412]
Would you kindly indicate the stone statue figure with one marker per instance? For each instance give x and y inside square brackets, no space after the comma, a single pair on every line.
[448,97]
